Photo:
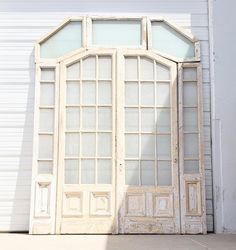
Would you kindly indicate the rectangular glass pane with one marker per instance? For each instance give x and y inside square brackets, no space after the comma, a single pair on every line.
[88,93]
[147,94]
[147,146]
[132,173]
[131,146]
[191,167]
[190,116]
[46,94]
[190,74]
[72,144]
[104,93]
[45,167]
[191,145]
[162,72]
[104,67]
[72,118]
[104,144]
[131,68]
[147,120]
[87,172]
[104,118]
[88,118]
[73,71]
[116,32]
[164,146]
[190,94]
[88,144]
[45,146]
[163,94]
[131,94]
[47,74]
[89,68]
[147,173]
[46,120]
[131,119]
[163,120]
[71,172]
[104,171]
[72,93]
[146,69]
[164,173]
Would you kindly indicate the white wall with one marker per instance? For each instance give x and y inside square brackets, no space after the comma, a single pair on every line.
[21,24]
[224,115]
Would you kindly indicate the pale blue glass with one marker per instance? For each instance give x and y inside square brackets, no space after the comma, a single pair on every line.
[65,40]
[116,32]
[167,40]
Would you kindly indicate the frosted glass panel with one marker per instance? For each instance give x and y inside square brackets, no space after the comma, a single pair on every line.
[45,146]
[116,32]
[164,146]
[164,176]
[190,74]
[104,144]
[163,94]
[191,145]
[104,171]
[46,94]
[47,74]
[131,145]
[72,144]
[73,71]
[166,40]
[104,67]
[146,69]
[88,118]
[104,93]
[147,173]
[190,119]
[162,72]
[71,171]
[67,39]
[190,94]
[163,120]
[72,118]
[72,93]
[131,68]
[45,167]
[191,167]
[148,146]
[147,120]
[147,94]
[88,93]
[131,172]
[104,118]
[46,120]
[131,119]
[87,171]
[131,94]
[89,68]
[88,144]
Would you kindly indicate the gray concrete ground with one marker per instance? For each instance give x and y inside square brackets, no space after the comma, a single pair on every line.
[117,242]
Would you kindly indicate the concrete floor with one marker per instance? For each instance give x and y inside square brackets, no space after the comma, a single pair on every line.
[117,242]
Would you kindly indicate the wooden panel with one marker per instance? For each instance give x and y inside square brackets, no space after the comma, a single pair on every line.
[135,204]
[193,198]
[72,204]
[163,205]
[100,203]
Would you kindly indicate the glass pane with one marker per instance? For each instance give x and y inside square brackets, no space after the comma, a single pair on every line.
[164,146]
[163,120]
[146,69]
[147,94]
[190,74]
[131,145]
[147,173]
[167,40]
[89,68]
[148,146]
[190,94]
[87,171]
[67,39]
[72,144]
[131,119]
[104,171]
[131,68]
[163,94]
[46,120]
[191,145]
[88,118]
[190,116]
[73,71]
[164,175]
[88,93]
[104,93]
[47,74]
[104,118]
[162,72]
[71,171]
[147,120]
[45,167]
[104,144]
[72,118]
[46,94]
[72,93]
[88,144]
[45,146]
[131,94]
[104,67]
[191,167]
[116,32]
[131,173]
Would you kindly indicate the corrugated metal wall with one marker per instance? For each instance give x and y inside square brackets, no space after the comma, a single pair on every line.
[21,24]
